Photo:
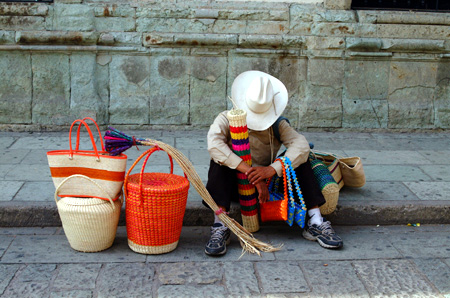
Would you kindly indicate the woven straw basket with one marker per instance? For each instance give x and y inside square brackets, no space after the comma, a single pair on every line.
[90,224]
[332,162]
[329,187]
[155,206]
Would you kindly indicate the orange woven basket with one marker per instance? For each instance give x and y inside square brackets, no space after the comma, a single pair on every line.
[155,206]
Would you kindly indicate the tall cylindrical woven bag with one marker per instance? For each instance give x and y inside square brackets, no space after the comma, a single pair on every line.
[329,187]
[155,207]
[241,146]
[90,224]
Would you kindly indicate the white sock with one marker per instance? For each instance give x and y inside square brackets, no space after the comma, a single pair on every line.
[217,220]
[315,217]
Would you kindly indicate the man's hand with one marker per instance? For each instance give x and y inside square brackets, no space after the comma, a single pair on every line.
[263,191]
[259,174]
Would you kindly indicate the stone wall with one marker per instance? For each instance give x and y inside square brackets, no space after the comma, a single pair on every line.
[165,63]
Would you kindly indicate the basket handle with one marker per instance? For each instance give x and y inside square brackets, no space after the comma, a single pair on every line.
[147,154]
[78,139]
[87,178]
[98,129]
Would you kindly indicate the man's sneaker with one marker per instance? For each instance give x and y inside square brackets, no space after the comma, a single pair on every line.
[217,244]
[324,234]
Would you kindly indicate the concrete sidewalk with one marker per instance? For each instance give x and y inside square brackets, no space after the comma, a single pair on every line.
[384,261]
[408,176]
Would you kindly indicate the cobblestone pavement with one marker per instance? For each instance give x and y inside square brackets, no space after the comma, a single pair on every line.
[383,261]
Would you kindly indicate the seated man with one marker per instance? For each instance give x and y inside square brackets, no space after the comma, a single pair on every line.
[264,98]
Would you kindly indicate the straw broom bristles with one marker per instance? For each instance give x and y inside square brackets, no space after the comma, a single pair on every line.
[248,242]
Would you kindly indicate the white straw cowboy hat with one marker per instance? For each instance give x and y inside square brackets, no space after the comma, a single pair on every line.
[262,96]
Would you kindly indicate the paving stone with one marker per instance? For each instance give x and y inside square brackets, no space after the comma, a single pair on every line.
[72,294]
[6,141]
[334,278]
[13,156]
[37,272]
[422,245]
[35,172]
[27,289]
[29,231]
[380,157]
[4,244]
[191,143]
[130,87]
[437,272]
[9,189]
[436,157]
[192,244]
[189,272]
[393,277]
[437,172]
[36,192]
[430,191]
[52,143]
[240,279]
[125,280]
[356,144]
[211,291]
[76,276]
[35,157]
[297,248]
[199,157]
[399,173]
[379,192]
[43,248]
[274,279]
[7,273]
[4,170]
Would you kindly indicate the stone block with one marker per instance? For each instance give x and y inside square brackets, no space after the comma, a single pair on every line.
[255,14]
[371,113]
[343,29]
[395,173]
[442,95]
[320,43]
[335,16]
[130,89]
[192,291]
[366,79]
[174,25]
[437,272]
[406,17]
[7,37]
[84,95]
[72,293]
[326,72]
[304,13]
[373,192]
[190,273]
[390,277]
[411,94]
[56,38]
[246,284]
[169,99]
[22,23]
[23,9]
[209,40]
[413,45]
[203,13]
[42,191]
[72,17]
[363,44]
[367,16]
[338,4]
[412,31]
[260,41]
[301,28]
[51,88]
[122,11]
[275,280]
[293,41]
[127,38]
[115,24]
[437,172]
[15,87]
[167,12]
[156,39]
[229,26]
[207,89]
[267,27]
[125,280]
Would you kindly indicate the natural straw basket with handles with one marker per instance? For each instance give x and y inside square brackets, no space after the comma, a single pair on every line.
[90,224]
[155,206]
